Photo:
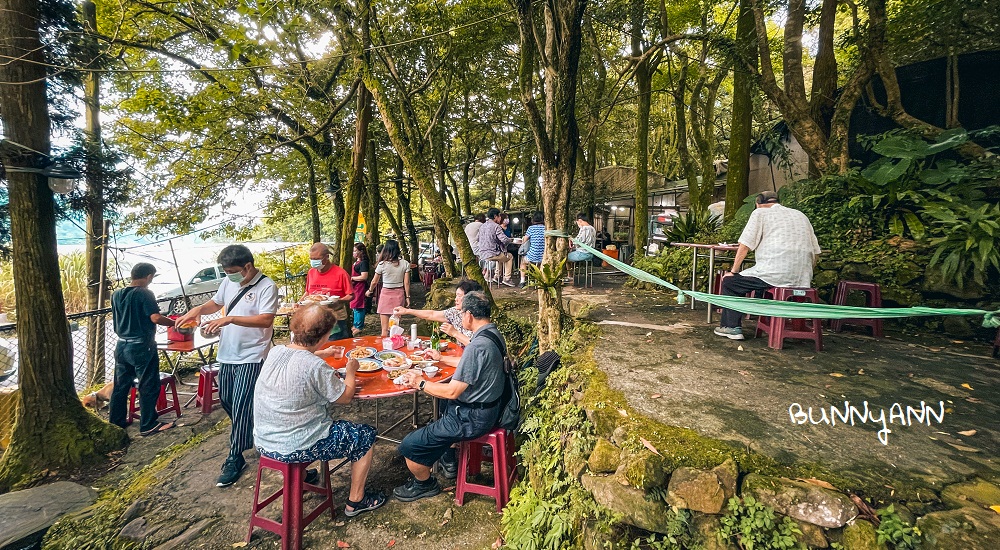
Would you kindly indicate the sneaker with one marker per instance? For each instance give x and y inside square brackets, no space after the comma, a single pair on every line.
[733,333]
[231,471]
[448,469]
[312,476]
[506,282]
[416,490]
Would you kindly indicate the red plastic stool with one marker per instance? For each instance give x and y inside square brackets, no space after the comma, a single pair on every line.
[470,460]
[163,403]
[207,385]
[779,328]
[873,298]
[292,521]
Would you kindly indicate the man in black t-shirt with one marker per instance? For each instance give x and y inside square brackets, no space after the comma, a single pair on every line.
[135,316]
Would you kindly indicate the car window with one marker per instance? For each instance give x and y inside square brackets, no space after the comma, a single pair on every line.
[206,274]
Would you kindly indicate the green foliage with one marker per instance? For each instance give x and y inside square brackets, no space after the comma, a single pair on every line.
[672,264]
[286,268]
[545,277]
[677,537]
[967,245]
[752,525]
[893,530]
[72,275]
[691,225]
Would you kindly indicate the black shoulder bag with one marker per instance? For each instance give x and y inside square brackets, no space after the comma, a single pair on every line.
[510,399]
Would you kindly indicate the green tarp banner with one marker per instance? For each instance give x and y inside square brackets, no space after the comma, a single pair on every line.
[790,310]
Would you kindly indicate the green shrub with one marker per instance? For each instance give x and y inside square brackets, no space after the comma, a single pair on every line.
[751,525]
[893,530]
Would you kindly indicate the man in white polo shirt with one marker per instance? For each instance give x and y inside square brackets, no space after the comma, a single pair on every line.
[785,250]
[248,300]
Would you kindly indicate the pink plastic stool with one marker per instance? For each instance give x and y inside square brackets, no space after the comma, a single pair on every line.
[778,328]
[292,522]
[163,403]
[873,298]
[470,459]
[207,385]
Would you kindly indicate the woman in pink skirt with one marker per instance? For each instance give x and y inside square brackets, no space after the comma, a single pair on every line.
[395,276]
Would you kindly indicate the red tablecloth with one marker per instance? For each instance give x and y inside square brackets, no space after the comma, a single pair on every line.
[377,385]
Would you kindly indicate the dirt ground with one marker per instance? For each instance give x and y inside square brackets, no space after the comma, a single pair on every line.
[674,369]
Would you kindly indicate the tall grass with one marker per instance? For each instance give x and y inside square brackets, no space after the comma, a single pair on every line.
[72,273]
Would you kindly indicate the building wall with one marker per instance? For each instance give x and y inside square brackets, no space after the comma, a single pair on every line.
[768,175]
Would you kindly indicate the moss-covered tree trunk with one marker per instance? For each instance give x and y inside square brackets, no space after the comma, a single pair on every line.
[643,84]
[738,177]
[370,203]
[356,184]
[52,430]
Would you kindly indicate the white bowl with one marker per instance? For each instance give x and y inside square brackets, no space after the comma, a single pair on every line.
[431,370]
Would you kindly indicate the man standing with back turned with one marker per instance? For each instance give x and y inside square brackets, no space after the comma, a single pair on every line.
[135,315]
[785,249]
[248,300]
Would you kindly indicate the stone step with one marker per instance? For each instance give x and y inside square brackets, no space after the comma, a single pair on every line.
[25,513]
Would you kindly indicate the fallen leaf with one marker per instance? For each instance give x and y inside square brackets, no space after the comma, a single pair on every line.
[836,375]
[861,371]
[497,544]
[809,357]
[391,543]
[655,396]
[995,508]
[819,483]
[342,544]
[957,341]
[739,348]
[623,412]
[968,433]
[339,524]
[239,544]
[443,523]
[648,334]
[972,400]
[448,513]
[968,387]
[935,350]
[645,443]
[964,448]
[678,356]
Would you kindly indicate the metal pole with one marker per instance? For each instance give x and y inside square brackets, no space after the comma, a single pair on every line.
[102,295]
[711,281]
[187,301]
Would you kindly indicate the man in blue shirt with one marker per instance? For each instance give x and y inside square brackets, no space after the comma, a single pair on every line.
[135,315]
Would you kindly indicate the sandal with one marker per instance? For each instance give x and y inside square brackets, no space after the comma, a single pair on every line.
[371,501]
[160,427]
[355,331]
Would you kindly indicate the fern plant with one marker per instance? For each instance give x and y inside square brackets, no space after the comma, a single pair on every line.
[692,224]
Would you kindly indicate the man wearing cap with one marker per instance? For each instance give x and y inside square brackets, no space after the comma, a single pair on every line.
[785,250]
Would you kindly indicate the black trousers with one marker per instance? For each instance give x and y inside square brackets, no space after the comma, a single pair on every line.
[458,423]
[135,360]
[738,285]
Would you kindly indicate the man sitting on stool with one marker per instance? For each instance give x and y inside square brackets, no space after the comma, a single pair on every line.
[785,249]
[473,411]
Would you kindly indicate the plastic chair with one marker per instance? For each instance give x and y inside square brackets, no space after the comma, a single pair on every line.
[470,459]
[164,403]
[586,272]
[207,385]
[779,328]
[873,298]
[293,485]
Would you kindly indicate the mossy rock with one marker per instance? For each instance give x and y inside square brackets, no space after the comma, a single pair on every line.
[694,489]
[643,470]
[706,532]
[811,535]
[969,528]
[604,419]
[605,457]
[971,493]
[801,501]
[860,535]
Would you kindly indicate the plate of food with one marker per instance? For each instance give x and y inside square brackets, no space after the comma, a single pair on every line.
[389,354]
[395,364]
[368,366]
[418,360]
[314,299]
[363,352]
[330,300]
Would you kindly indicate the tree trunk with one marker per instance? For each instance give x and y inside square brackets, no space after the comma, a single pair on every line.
[370,201]
[51,430]
[94,223]
[404,248]
[643,83]
[688,167]
[406,210]
[355,186]
[738,177]
[316,224]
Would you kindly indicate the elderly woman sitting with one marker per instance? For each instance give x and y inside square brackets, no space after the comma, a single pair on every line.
[291,422]
[451,318]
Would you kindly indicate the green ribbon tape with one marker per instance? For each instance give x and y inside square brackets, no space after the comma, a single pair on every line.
[789,310]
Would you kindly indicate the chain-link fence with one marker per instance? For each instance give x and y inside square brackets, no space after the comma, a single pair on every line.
[93,358]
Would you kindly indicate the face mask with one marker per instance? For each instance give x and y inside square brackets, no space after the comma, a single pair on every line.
[235,277]
[316,263]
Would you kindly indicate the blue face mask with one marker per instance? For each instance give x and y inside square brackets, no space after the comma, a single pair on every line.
[316,263]
[235,277]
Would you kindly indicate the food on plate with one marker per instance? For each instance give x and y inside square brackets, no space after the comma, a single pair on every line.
[285,310]
[394,362]
[190,323]
[389,354]
[361,353]
[368,365]
[315,298]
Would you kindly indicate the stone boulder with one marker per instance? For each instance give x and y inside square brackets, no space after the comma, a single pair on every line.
[971,493]
[728,473]
[23,513]
[643,470]
[697,490]
[860,535]
[969,528]
[812,535]
[604,458]
[801,501]
[630,503]
[705,529]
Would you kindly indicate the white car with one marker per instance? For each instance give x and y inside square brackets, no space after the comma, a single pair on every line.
[206,279]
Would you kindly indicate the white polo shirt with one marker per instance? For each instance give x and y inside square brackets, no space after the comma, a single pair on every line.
[241,345]
[784,246]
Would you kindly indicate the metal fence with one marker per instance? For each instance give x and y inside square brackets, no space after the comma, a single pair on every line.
[93,352]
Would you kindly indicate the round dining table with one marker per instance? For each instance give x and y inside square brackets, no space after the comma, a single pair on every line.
[378,385]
